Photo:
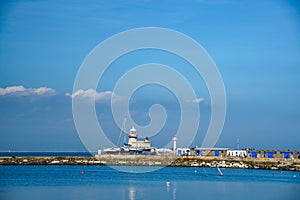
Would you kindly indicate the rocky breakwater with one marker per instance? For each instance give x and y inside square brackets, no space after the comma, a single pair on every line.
[154,160]
[50,161]
[244,163]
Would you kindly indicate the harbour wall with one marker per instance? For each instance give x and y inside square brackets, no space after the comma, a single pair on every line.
[160,160]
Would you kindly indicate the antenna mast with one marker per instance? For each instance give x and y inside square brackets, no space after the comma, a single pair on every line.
[121,131]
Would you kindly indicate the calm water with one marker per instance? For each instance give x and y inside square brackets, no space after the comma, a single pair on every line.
[102,182]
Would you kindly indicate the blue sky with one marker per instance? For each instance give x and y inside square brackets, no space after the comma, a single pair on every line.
[255,45]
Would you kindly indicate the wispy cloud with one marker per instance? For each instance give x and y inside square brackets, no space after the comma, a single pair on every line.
[91,94]
[22,91]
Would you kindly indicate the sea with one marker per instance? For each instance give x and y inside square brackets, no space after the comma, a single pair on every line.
[103,182]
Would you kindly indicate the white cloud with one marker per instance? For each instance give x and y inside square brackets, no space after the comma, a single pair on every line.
[22,91]
[44,90]
[90,94]
[198,100]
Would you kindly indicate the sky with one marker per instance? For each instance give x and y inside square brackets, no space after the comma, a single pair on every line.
[255,45]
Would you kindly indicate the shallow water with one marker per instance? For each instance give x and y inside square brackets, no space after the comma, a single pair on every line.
[102,182]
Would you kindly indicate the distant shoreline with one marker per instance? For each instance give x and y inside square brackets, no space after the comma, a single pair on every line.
[154,160]
[46,153]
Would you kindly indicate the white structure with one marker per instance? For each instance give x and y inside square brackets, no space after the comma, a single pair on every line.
[236,153]
[133,142]
[174,144]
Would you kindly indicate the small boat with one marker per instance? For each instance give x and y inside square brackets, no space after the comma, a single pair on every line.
[113,150]
[221,174]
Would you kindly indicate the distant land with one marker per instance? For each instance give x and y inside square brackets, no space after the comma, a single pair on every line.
[277,162]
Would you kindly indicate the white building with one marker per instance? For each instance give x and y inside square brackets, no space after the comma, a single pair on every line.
[236,153]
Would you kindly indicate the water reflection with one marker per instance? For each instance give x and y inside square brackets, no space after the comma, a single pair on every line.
[174,191]
[131,193]
[168,186]
[168,190]
[173,185]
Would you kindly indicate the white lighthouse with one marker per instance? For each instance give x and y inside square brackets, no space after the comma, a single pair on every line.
[174,144]
[132,136]
[134,142]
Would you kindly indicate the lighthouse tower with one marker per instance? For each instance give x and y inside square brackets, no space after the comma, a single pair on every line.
[134,142]
[174,144]
[132,136]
